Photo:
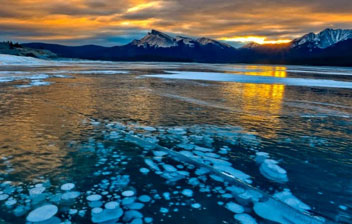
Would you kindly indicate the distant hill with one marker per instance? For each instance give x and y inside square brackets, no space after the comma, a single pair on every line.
[329,47]
[19,50]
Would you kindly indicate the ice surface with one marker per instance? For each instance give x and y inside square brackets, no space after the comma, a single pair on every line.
[99,72]
[274,211]
[43,213]
[222,77]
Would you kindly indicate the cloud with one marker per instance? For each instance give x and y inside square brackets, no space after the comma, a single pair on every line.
[116,21]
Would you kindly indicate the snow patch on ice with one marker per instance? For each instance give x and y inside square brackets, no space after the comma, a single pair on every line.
[223,77]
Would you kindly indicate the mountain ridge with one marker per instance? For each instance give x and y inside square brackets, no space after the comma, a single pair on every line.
[311,49]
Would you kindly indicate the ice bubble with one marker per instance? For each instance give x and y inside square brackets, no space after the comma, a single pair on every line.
[151,164]
[128,200]
[67,187]
[202,149]
[10,202]
[144,198]
[193,181]
[202,171]
[137,221]
[20,210]
[278,212]
[166,195]
[96,211]
[144,170]
[250,195]
[216,178]
[82,213]
[272,171]
[261,157]
[227,195]
[245,219]
[159,153]
[94,197]
[235,190]
[148,219]
[287,197]
[164,210]
[36,191]
[343,207]
[187,192]
[196,205]
[135,206]
[128,193]
[186,146]
[72,211]
[43,213]
[148,128]
[177,131]
[132,214]
[235,208]
[169,168]
[112,213]
[112,205]
[70,195]
[3,197]
[233,172]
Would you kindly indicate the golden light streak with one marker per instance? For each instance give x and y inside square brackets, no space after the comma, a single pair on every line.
[255,39]
[263,98]
[139,7]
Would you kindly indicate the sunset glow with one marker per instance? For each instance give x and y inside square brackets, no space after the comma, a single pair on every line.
[258,40]
[115,22]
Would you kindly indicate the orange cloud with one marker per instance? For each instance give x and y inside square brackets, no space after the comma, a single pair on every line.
[263,21]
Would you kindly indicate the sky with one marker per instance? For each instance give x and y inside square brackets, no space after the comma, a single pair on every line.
[117,22]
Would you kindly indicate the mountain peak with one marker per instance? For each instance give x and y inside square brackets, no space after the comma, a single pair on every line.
[323,39]
[156,32]
[251,45]
[206,41]
[156,39]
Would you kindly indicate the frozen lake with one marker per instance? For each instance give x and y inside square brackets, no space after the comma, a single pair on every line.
[108,142]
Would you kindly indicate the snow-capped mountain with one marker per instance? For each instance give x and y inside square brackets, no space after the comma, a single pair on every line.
[157,39]
[251,45]
[207,41]
[324,39]
[185,40]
